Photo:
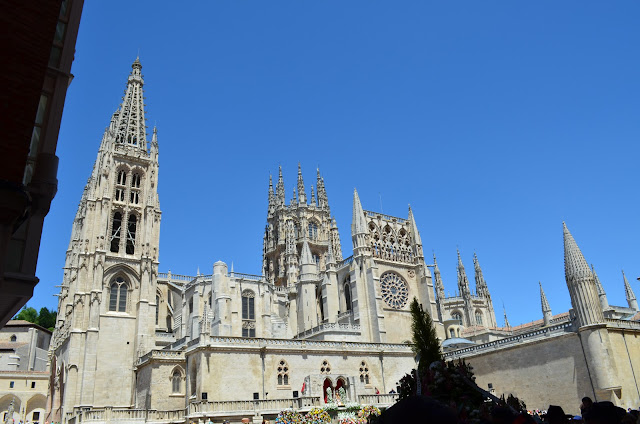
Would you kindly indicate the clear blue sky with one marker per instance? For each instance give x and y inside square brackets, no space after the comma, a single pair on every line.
[496,121]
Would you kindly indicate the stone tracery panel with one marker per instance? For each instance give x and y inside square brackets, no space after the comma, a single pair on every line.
[395,291]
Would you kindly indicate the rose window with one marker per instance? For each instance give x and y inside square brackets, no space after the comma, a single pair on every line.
[394,290]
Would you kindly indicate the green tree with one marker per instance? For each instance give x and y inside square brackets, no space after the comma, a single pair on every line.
[425,339]
[46,319]
[27,314]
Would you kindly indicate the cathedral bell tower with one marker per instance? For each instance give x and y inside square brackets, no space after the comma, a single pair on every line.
[107,302]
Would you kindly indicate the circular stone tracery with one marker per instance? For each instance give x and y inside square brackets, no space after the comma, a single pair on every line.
[394,290]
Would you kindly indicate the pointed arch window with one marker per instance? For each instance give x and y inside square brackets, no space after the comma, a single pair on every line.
[248,314]
[347,294]
[176,381]
[115,232]
[457,316]
[122,178]
[131,234]
[478,317]
[283,373]
[118,295]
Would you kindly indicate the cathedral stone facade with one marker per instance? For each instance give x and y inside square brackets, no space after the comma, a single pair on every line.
[311,324]
[135,344]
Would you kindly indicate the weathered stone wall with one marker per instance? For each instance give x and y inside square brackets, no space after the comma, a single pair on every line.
[544,372]
[625,349]
[236,373]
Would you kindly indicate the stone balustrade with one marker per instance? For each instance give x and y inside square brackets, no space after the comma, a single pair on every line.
[510,341]
[383,399]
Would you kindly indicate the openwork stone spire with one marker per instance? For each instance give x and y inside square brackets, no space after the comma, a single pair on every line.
[631,297]
[129,121]
[581,284]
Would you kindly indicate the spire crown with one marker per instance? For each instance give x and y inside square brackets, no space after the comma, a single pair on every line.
[129,120]
[575,266]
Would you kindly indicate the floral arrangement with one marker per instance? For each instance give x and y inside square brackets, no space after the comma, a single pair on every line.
[368,411]
[317,416]
[289,416]
[330,407]
[352,406]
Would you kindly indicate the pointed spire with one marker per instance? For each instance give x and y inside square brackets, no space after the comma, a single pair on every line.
[506,320]
[330,258]
[463,282]
[359,231]
[323,201]
[414,229]
[602,296]
[543,300]
[439,285]
[631,297]
[581,284]
[198,271]
[301,192]
[546,309]
[294,199]
[280,188]
[271,196]
[481,284]
[575,266]
[313,196]
[358,223]
[129,120]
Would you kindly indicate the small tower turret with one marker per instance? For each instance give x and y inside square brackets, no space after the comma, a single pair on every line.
[546,309]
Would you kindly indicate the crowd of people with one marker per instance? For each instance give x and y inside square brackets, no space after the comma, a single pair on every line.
[590,413]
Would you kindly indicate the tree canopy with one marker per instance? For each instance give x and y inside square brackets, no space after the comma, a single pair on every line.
[46,318]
